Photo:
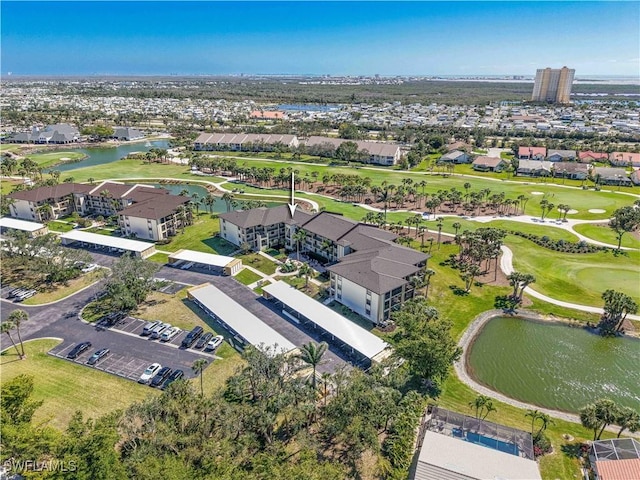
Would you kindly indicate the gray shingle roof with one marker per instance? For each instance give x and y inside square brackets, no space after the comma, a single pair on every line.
[49,193]
[265,216]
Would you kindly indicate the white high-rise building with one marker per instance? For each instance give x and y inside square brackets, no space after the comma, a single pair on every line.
[553,85]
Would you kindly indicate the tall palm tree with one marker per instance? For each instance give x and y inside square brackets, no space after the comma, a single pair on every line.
[17,317]
[534,414]
[6,327]
[198,368]
[311,354]
[298,237]
[305,271]
[627,419]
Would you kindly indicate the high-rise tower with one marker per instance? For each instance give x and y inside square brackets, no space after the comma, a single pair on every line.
[553,85]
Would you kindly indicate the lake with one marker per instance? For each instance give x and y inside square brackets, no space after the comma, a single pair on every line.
[555,366]
[98,156]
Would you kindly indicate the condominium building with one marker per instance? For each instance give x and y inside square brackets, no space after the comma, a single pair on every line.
[369,272]
[553,85]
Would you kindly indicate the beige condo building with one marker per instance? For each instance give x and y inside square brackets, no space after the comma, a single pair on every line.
[553,85]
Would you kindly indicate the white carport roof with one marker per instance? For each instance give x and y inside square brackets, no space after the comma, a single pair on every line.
[247,325]
[107,241]
[17,224]
[340,327]
[203,258]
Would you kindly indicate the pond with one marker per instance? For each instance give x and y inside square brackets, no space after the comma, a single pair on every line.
[97,156]
[219,207]
[555,366]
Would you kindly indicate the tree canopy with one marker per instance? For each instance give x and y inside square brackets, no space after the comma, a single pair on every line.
[130,282]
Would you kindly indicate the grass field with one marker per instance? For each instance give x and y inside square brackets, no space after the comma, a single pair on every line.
[67,387]
[247,277]
[259,262]
[159,258]
[59,226]
[7,185]
[577,278]
[61,291]
[201,236]
[602,233]
[50,159]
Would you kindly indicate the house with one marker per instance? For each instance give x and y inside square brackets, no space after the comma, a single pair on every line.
[610,176]
[372,274]
[243,141]
[534,168]
[532,153]
[59,133]
[624,159]
[635,177]
[453,446]
[572,170]
[561,155]
[459,146]
[126,134]
[488,164]
[590,157]
[455,156]
[615,459]
[380,153]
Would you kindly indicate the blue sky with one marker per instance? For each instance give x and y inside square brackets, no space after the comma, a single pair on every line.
[388,38]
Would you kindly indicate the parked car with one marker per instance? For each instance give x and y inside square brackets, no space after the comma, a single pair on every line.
[215,342]
[113,318]
[89,268]
[26,294]
[78,350]
[169,333]
[97,356]
[176,375]
[203,340]
[157,331]
[161,376]
[148,328]
[192,336]
[149,373]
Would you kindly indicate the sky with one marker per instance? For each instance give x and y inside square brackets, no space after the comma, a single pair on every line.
[335,38]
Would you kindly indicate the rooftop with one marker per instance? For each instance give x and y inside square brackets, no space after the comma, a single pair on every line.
[107,241]
[16,224]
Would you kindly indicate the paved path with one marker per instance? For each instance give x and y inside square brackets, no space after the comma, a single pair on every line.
[506,265]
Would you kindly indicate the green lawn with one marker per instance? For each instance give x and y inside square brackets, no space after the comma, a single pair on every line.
[59,226]
[577,278]
[159,257]
[259,262]
[7,185]
[602,233]
[247,277]
[202,237]
[50,159]
[11,147]
[67,387]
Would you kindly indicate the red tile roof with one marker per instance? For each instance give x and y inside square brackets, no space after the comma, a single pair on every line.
[618,469]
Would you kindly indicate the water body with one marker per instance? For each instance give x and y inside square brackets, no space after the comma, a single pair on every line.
[219,207]
[554,365]
[287,107]
[98,156]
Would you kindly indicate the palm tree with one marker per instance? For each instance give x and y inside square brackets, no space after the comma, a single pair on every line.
[298,237]
[428,273]
[478,404]
[534,416]
[305,271]
[627,419]
[545,420]
[16,318]
[6,327]
[198,367]
[311,354]
[228,198]
[439,225]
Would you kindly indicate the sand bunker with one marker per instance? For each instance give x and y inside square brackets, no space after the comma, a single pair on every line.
[537,193]
[596,210]
[572,212]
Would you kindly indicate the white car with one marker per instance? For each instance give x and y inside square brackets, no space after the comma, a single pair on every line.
[160,329]
[149,373]
[89,268]
[169,333]
[215,342]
